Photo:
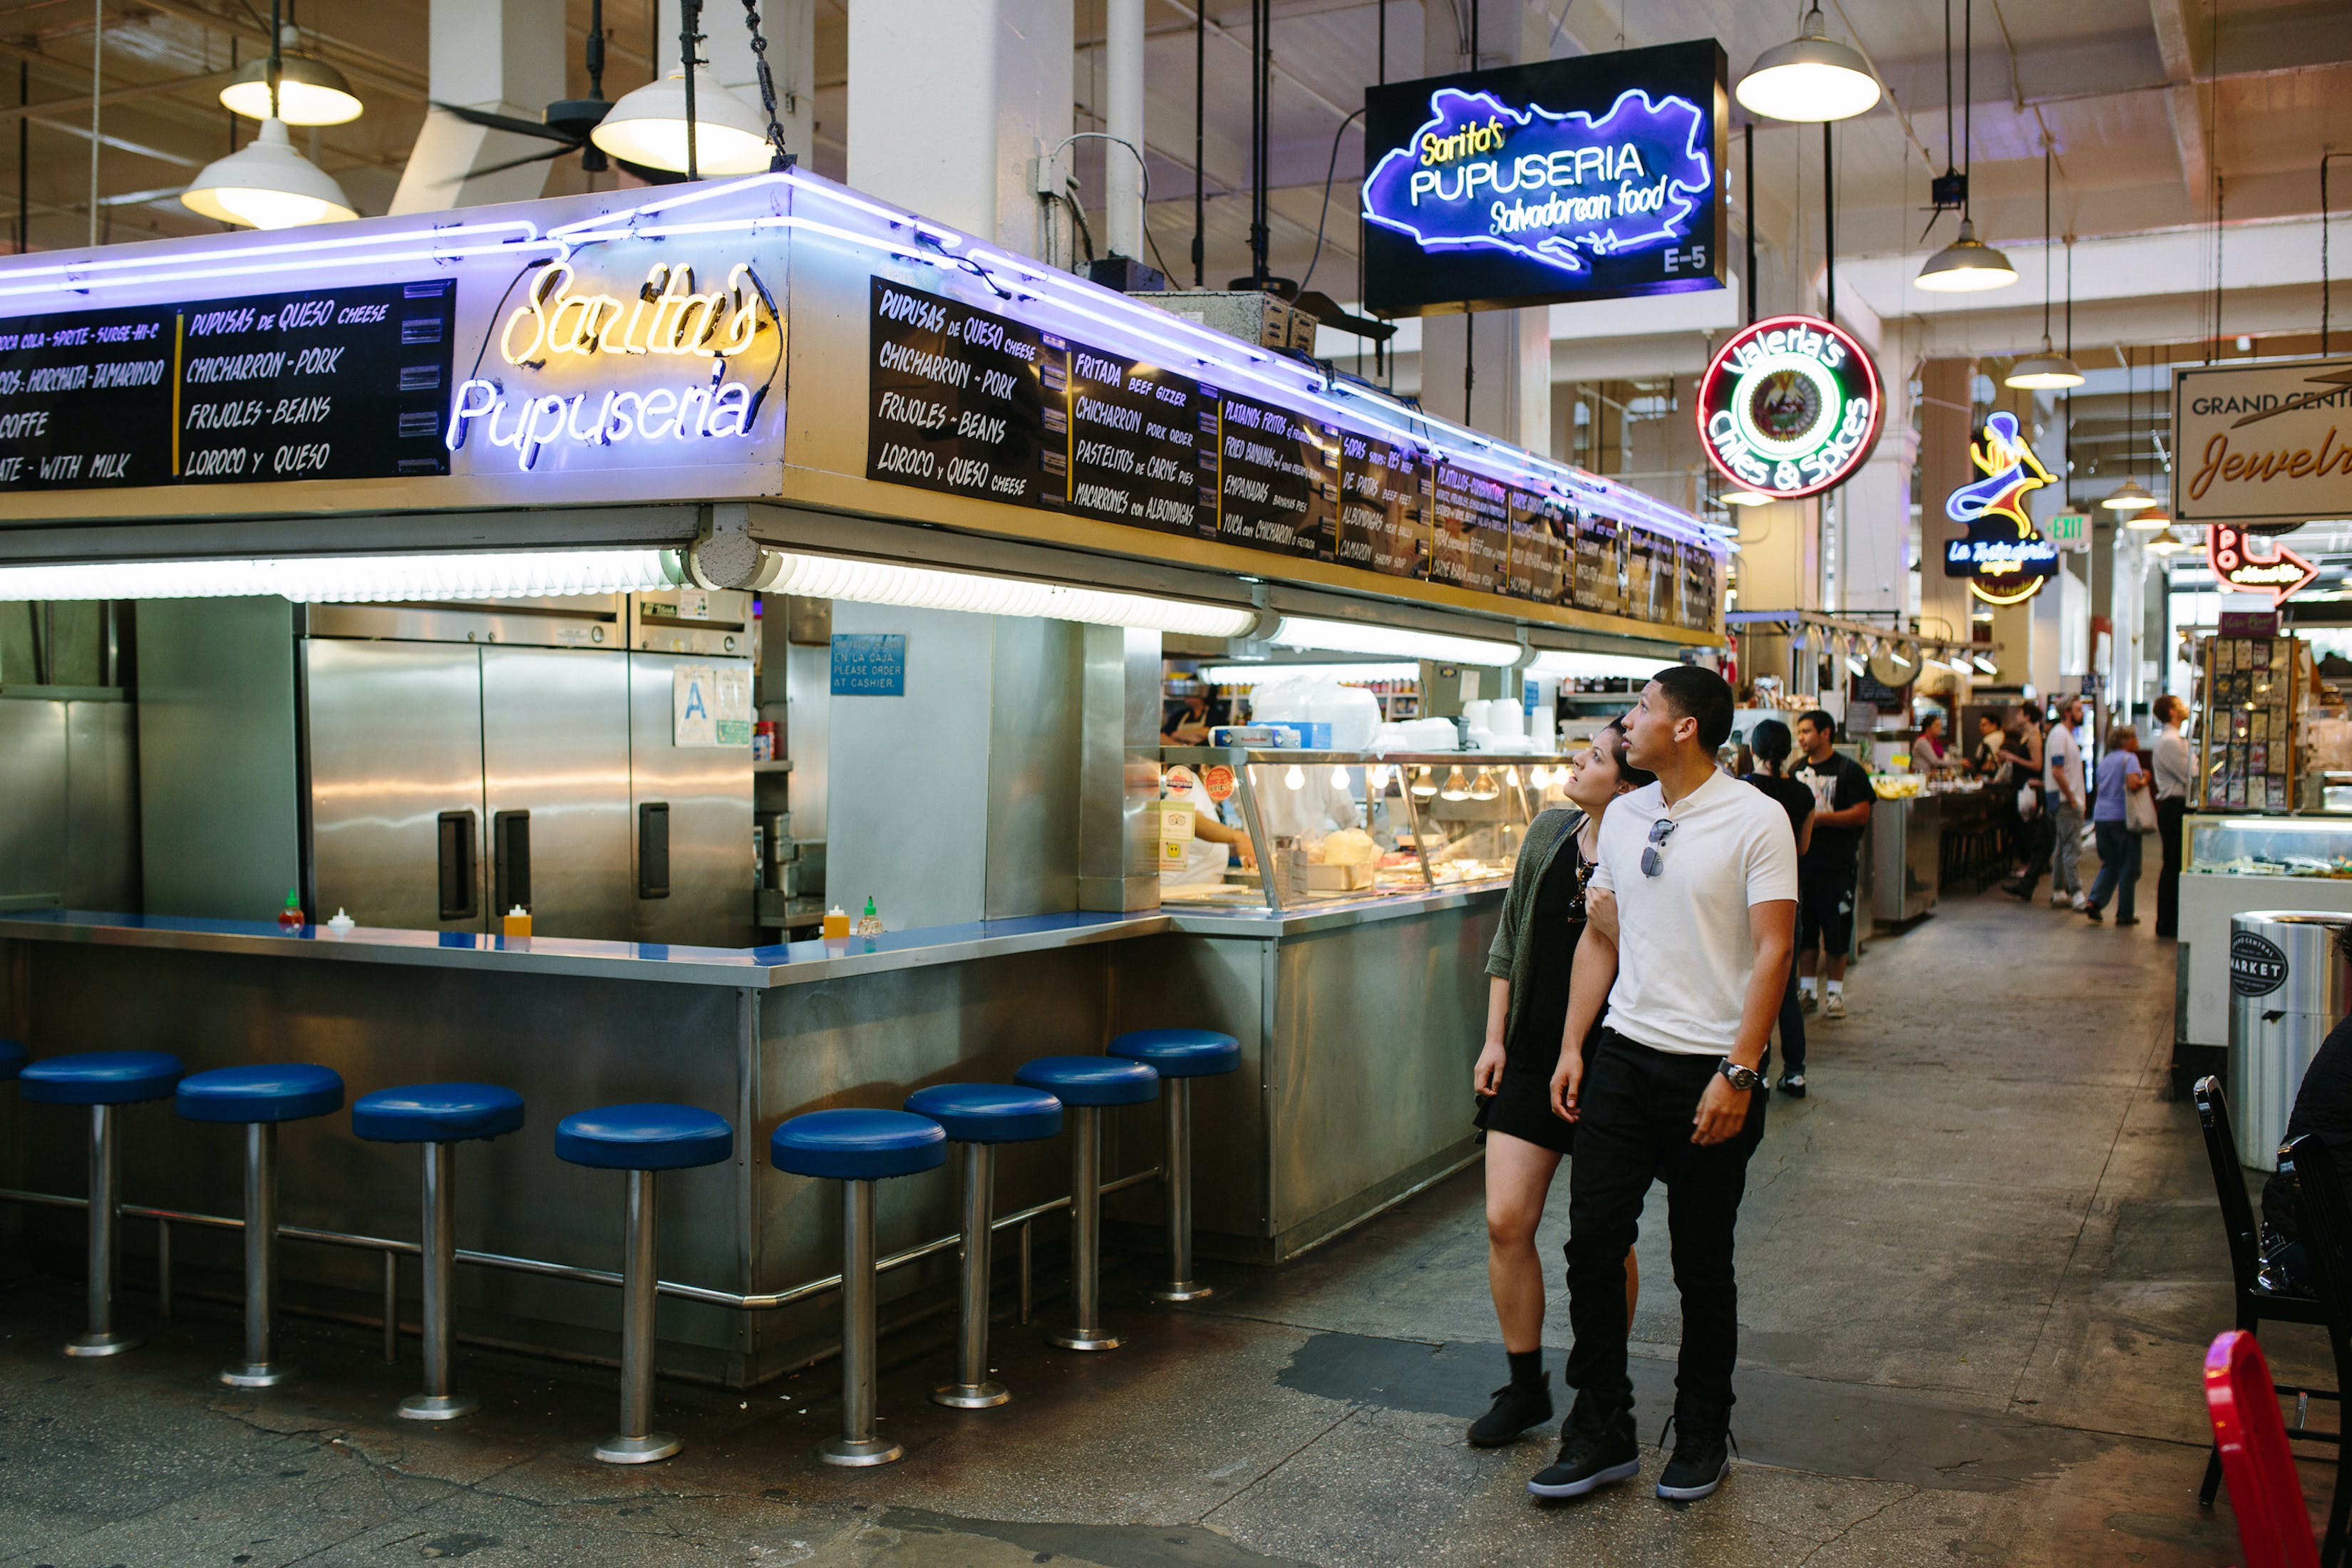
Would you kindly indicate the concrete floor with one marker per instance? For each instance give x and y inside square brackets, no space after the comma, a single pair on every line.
[1979,1268]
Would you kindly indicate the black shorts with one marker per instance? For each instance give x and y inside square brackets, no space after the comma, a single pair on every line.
[1521,1107]
[1826,916]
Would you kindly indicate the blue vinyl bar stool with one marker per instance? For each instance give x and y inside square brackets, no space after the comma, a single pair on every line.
[1180,1056]
[440,1116]
[260,1098]
[1087,1085]
[101,1081]
[642,1140]
[979,1116]
[857,1149]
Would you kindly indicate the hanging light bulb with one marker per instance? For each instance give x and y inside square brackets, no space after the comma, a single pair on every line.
[1296,778]
[2153,520]
[2168,542]
[648,127]
[1985,665]
[2045,372]
[1456,787]
[1539,776]
[268,185]
[1376,778]
[1339,778]
[1511,777]
[1965,265]
[1482,787]
[2128,497]
[1423,786]
[1746,498]
[310,91]
[1811,78]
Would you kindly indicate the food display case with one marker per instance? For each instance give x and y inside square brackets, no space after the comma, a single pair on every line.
[1325,828]
[2232,863]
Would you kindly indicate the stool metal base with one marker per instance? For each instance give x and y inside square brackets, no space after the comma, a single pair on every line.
[645,1450]
[101,1344]
[1082,1340]
[257,1375]
[856,1452]
[1183,1290]
[436,1407]
[971,1395]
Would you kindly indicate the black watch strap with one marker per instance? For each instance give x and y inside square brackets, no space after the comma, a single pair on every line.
[1740,1077]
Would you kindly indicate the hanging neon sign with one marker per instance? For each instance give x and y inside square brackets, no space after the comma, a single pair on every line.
[1789,407]
[2282,573]
[2004,558]
[666,316]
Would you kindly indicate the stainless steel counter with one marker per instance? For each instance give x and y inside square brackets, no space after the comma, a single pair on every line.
[1360,1023]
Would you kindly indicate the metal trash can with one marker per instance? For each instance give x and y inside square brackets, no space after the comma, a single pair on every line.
[2288,986]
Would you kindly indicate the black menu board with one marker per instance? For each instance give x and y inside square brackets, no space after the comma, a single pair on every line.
[1541,527]
[1278,480]
[1136,444]
[963,400]
[326,384]
[1597,586]
[1383,523]
[1471,530]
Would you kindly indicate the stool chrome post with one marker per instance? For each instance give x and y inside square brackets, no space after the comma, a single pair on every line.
[439,1259]
[635,1443]
[105,1167]
[971,1390]
[858,1444]
[258,1370]
[1085,1235]
[1176,1186]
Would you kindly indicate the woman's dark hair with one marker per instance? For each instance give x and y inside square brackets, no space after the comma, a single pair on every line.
[1930,721]
[1770,740]
[1626,770]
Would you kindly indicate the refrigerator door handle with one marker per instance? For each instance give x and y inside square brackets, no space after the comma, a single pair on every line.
[653,850]
[511,859]
[460,887]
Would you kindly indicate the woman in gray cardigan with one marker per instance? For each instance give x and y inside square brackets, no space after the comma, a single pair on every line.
[1526,1012]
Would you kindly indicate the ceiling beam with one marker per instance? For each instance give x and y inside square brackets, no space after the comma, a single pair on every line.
[13,112]
[2177,47]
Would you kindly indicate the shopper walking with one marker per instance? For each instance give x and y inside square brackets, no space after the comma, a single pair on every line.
[1701,873]
[1768,741]
[2176,776]
[1527,970]
[2023,754]
[1828,870]
[2063,795]
[2112,828]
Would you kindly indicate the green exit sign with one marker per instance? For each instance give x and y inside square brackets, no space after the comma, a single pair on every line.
[2069,531]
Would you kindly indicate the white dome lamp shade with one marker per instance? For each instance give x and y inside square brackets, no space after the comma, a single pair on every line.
[1811,78]
[2153,520]
[1965,265]
[268,185]
[2048,371]
[309,92]
[648,127]
[2128,497]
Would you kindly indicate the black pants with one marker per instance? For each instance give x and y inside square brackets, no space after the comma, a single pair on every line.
[1635,1128]
[2169,816]
[1792,1028]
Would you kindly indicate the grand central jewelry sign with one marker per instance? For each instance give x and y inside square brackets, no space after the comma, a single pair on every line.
[2262,447]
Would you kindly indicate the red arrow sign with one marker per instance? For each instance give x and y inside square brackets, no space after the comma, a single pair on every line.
[2281,573]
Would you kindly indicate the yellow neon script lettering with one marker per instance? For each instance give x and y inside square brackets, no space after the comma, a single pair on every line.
[553,320]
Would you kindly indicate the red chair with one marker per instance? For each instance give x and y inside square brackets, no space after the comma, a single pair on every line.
[2266,1493]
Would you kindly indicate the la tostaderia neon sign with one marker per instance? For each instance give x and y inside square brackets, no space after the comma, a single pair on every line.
[667,318]
[1552,188]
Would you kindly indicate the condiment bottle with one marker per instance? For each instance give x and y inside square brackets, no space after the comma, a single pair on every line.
[517,923]
[291,917]
[869,923]
[836,923]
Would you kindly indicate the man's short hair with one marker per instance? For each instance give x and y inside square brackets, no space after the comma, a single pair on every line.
[1818,718]
[1695,692]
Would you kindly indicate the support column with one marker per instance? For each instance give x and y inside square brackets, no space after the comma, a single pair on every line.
[951,106]
[1123,118]
[504,56]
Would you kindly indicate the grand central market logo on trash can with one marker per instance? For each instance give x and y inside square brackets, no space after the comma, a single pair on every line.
[2257,964]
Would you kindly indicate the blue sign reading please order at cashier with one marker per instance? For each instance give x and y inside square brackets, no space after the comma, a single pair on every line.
[869,664]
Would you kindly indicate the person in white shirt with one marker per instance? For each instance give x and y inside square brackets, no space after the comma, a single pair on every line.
[2176,777]
[1689,949]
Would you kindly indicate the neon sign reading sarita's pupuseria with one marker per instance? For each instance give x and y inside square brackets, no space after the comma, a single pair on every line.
[1553,188]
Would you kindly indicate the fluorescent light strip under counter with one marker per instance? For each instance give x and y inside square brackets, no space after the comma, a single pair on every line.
[1390,642]
[1256,675]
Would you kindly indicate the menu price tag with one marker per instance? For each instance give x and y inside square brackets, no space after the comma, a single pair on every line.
[1471,530]
[1383,523]
[1278,480]
[960,399]
[1136,444]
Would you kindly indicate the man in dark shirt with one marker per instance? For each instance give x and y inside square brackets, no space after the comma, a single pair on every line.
[2323,1106]
[1826,872]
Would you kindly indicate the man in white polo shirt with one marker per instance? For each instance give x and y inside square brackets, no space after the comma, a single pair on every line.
[1702,870]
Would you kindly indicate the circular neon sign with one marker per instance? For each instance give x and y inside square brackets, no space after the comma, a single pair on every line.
[1789,407]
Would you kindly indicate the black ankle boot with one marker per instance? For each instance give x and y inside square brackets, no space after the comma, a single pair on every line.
[1518,1406]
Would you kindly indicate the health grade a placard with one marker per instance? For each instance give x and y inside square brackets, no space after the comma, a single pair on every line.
[710,705]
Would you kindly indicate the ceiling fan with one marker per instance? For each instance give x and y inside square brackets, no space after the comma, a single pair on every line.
[567,122]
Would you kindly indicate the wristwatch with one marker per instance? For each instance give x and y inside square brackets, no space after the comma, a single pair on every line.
[1740,1077]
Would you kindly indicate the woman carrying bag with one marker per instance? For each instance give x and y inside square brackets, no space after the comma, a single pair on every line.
[2121,811]
[1527,1011]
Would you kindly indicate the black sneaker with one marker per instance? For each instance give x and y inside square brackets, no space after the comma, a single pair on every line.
[1702,1457]
[1517,1408]
[1793,1084]
[1590,1457]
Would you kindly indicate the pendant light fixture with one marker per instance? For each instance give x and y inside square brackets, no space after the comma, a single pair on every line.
[685,123]
[2049,370]
[1811,78]
[308,90]
[1968,265]
[267,183]
[2128,496]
